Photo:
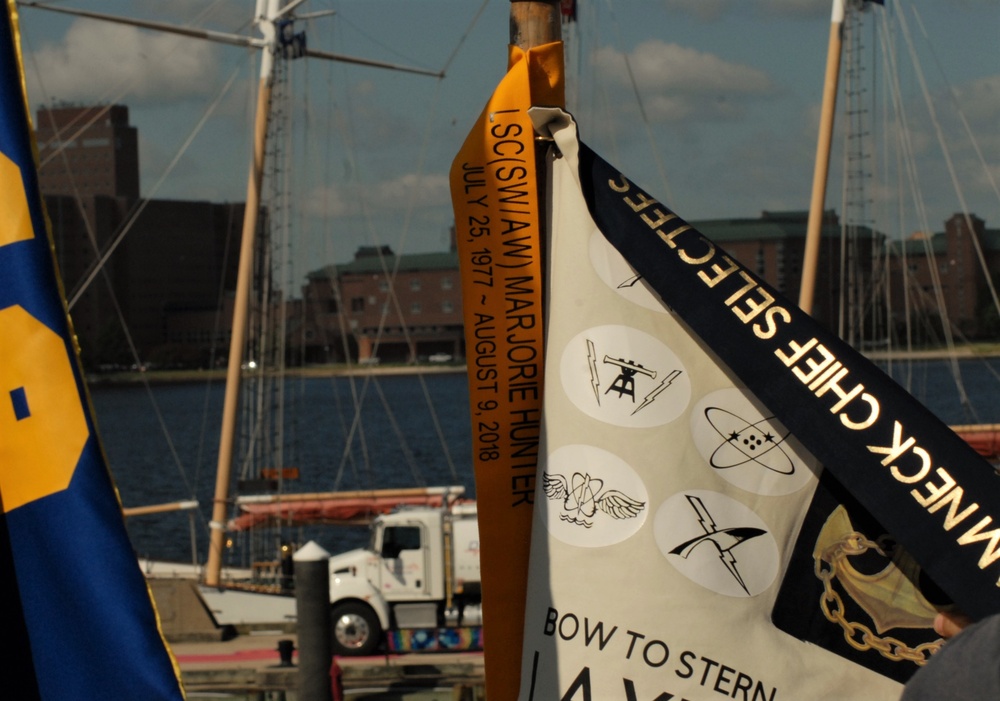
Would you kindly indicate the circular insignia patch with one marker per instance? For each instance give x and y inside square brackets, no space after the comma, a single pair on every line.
[624,377]
[716,542]
[748,447]
[590,497]
[617,274]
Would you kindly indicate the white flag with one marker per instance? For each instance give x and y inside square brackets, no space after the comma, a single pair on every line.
[669,499]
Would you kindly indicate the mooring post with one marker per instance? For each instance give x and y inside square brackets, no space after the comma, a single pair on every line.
[312,602]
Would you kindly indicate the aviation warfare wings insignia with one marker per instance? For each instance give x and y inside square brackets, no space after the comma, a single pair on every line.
[582,498]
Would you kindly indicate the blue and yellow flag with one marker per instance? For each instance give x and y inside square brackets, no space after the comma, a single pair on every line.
[76,617]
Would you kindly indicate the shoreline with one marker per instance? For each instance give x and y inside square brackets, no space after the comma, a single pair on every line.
[968,352]
[985,350]
[219,375]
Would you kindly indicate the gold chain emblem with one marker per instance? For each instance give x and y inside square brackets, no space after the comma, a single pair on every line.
[888,597]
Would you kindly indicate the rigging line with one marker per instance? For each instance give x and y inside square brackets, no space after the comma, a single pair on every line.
[118,91]
[188,484]
[347,456]
[932,112]
[436,422]
[905,144]
[400,436]
[88,227]
[216,334]
[147,385]
[891,93]
[462,39]
[654,146]
[357,393]
[403,235]
[141,205]
[951,170]
[982,160]
[355,428]
[952,92]
[387,47]
[904,140]
[408,218]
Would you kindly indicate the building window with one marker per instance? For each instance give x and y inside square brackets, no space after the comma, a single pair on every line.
[415,284]
[383,285]
[357,304]
[446,283]
[447,307]
[415,308]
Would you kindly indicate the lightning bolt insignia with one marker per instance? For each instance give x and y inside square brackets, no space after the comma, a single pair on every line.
[595,380]
[724,539]
[666,382]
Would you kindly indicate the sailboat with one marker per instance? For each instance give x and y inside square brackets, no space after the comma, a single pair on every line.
[284,512]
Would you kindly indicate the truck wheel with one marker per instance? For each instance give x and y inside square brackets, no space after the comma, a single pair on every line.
[356,630]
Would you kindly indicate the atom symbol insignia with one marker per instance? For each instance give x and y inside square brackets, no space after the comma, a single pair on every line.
[724,539]
[582,498]
[748,443]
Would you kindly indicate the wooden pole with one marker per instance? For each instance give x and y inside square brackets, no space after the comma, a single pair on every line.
[821,170]
[220,502]
[159,508]
[534,22]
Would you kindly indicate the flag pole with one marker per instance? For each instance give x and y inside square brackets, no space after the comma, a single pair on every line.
[534,22]
[821,170]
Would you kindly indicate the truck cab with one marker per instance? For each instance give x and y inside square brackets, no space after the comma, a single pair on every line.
[420,570]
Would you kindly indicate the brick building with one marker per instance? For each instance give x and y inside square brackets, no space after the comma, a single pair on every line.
[773,247]
[88,151]
[165,276]
[173,275]
[951,261]
[416,315]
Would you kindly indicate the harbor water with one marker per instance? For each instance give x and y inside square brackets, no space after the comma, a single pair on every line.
[162,441]
[413,430]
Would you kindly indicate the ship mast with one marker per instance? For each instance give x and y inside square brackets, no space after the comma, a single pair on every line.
[821,170]
[220,503]
[267,14]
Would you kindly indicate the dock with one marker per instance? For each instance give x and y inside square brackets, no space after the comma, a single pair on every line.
[250,667]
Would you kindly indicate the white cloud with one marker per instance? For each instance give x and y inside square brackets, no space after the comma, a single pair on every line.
[678,83]
[399,194]
[980,100]
[97,61]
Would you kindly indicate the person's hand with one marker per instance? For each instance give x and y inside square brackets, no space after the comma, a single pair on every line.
[951,623]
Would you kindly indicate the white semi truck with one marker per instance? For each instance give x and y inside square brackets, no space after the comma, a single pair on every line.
[419,571]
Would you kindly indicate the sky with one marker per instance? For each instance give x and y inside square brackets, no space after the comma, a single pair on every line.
[725,125]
